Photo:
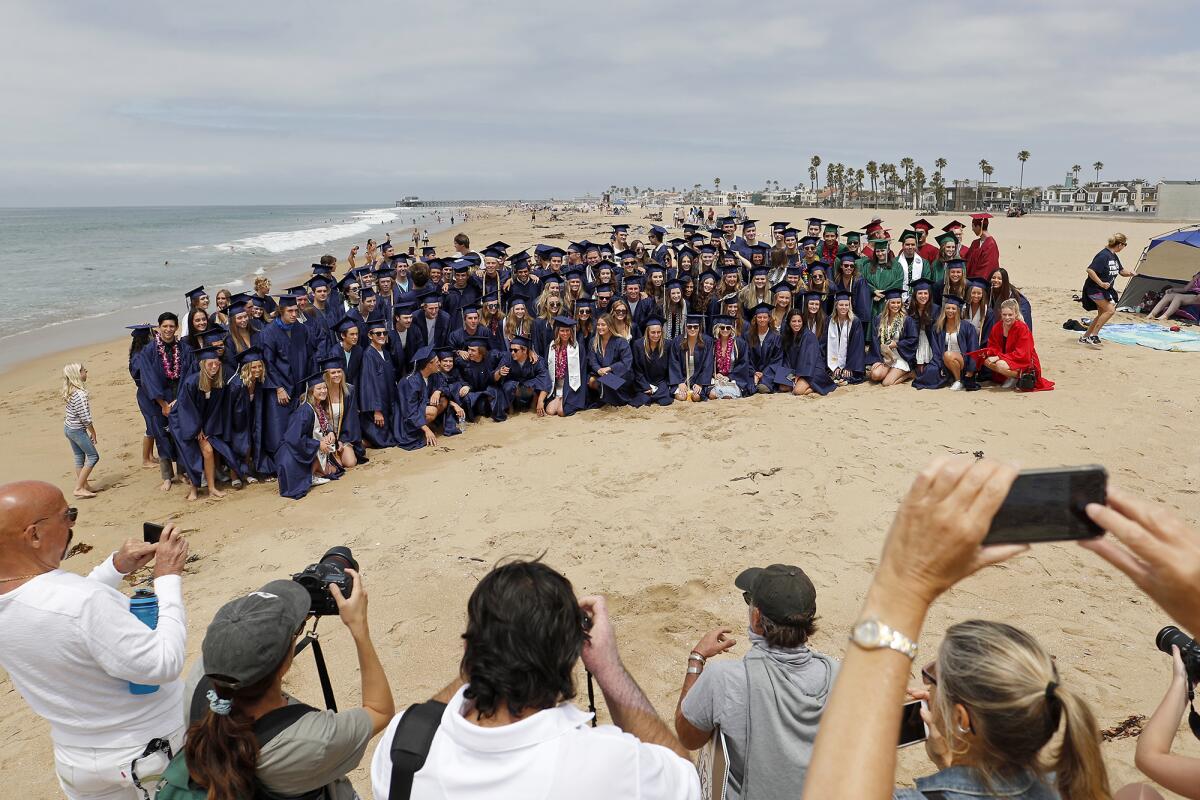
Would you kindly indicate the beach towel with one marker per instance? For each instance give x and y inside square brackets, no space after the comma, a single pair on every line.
[1148,334]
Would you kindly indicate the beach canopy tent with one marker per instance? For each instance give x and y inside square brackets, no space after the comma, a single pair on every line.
[1169,260]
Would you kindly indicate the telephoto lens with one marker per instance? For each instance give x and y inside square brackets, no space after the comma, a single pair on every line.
[1188,649]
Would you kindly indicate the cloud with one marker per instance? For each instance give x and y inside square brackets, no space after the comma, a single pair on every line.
[304,102]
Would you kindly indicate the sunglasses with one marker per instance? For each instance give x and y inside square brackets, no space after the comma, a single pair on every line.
[693,325]
[72,515]
[379,333]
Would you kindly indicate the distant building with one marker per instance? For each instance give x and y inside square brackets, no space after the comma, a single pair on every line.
[1178,199]
[1121,197]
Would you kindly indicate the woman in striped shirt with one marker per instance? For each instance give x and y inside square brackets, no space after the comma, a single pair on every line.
[78,427]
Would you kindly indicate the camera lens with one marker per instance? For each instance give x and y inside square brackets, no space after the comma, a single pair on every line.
[340,557]
[1171,635]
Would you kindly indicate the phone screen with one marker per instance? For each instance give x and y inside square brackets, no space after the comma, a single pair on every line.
[912,727]
[1047,505]
[151,532]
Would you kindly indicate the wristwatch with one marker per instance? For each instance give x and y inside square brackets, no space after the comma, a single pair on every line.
[871,634]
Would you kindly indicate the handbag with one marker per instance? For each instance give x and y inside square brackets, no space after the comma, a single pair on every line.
[1027,380]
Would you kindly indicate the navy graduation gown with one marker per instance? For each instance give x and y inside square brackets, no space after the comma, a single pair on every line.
[414,394]
[441,329]
[541,334]
[739,366]
[247,425]
[402,353]
[910,338]
[193,414]
[860,299]
[935,375]
[288,359]
[528,375]
[376,390]
[158,386]
[349,427]
[702,362]
[484,394]
[652,370]
[527,291]
[765,356]
[146,406]
[572,399]
[855,351]
[616,355]
[802,359]
[295,458]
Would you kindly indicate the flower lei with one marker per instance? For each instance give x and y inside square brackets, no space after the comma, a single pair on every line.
[170,368]
[724,355]
[322,419]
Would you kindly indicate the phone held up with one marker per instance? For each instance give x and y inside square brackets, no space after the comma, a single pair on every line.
[151,532]
[1047,505]
[912,727]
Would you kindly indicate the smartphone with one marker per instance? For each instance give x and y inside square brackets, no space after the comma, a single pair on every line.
[912,727]
[151,532]
[1047,505]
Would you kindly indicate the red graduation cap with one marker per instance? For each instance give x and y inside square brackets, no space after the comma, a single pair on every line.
[873,225]
[952,225]
[922,225]
[981,215]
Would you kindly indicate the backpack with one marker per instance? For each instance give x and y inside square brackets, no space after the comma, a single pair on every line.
[410,745]
[176,782]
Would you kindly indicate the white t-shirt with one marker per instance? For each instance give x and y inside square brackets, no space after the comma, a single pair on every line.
[553,753]
[71,647]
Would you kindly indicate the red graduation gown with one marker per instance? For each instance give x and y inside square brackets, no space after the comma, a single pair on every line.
[1016,349]
[983,258]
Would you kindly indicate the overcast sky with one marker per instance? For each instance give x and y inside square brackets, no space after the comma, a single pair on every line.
[220,102]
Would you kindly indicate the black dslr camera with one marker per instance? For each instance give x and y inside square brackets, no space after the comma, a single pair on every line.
[329,571]
[1188,650]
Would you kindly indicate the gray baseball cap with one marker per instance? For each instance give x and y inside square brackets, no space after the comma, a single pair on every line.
[249,637]
[780,591]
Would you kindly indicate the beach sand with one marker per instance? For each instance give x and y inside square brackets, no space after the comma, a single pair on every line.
[659,508]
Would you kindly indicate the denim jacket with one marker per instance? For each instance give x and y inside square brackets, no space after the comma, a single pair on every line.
[964,783]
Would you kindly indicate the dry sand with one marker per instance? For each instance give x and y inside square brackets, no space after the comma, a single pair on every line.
[660,508]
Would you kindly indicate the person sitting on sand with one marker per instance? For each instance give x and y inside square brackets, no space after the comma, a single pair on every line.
[1175,298]
[79,428]
[1010,351]
[885,364]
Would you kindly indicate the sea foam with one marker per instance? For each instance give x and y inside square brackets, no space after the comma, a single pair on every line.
[284,241]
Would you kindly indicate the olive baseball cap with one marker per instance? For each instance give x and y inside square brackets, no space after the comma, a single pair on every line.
[781,591]
[249,637]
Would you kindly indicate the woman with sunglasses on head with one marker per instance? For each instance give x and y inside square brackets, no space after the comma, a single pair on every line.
[620,321]
[802,370]
[731,377]
[692,361]
[652,366]
[609,365]
[543,326]
[996,700]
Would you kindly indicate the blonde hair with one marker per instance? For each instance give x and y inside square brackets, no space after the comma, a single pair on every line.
[72,381]
[261,282]
[1010,686]
[1011,304]
[1116,239]
[248,366]
[207,384]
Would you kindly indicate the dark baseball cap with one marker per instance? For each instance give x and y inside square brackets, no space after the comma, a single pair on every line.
[249,637]
[781,591]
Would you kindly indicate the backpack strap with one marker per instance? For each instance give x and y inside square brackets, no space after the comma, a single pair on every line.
[410,745]
[273,723]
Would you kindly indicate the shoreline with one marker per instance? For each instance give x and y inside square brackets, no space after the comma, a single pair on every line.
[61,340]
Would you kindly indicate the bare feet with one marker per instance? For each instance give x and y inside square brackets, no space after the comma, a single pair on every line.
[191,494]
[165,486]
[84,493]
[217,493]
[149,464]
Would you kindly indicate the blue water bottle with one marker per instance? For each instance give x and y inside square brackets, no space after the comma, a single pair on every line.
[144,606]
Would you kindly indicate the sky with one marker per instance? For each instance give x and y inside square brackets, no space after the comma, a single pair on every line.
[266,102]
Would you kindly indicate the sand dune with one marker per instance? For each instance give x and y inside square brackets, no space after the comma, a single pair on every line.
[660,508]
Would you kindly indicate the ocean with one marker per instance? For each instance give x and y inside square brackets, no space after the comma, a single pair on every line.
[111,267]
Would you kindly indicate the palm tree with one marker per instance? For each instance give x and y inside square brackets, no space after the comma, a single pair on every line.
[918,178]
[1076,170]
[873,174]
[906,164]
[1099,165]
[939,188]
[716,184]
[941,164]
[1022,156]
[983,169]
[860,178]
[813,175]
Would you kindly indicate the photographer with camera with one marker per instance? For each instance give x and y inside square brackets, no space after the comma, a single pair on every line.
[512,731]
[245,732]
[73,649]
[1153,757]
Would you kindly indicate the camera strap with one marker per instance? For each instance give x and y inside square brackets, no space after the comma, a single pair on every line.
[591,698]
[310,639]
[1193,717]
